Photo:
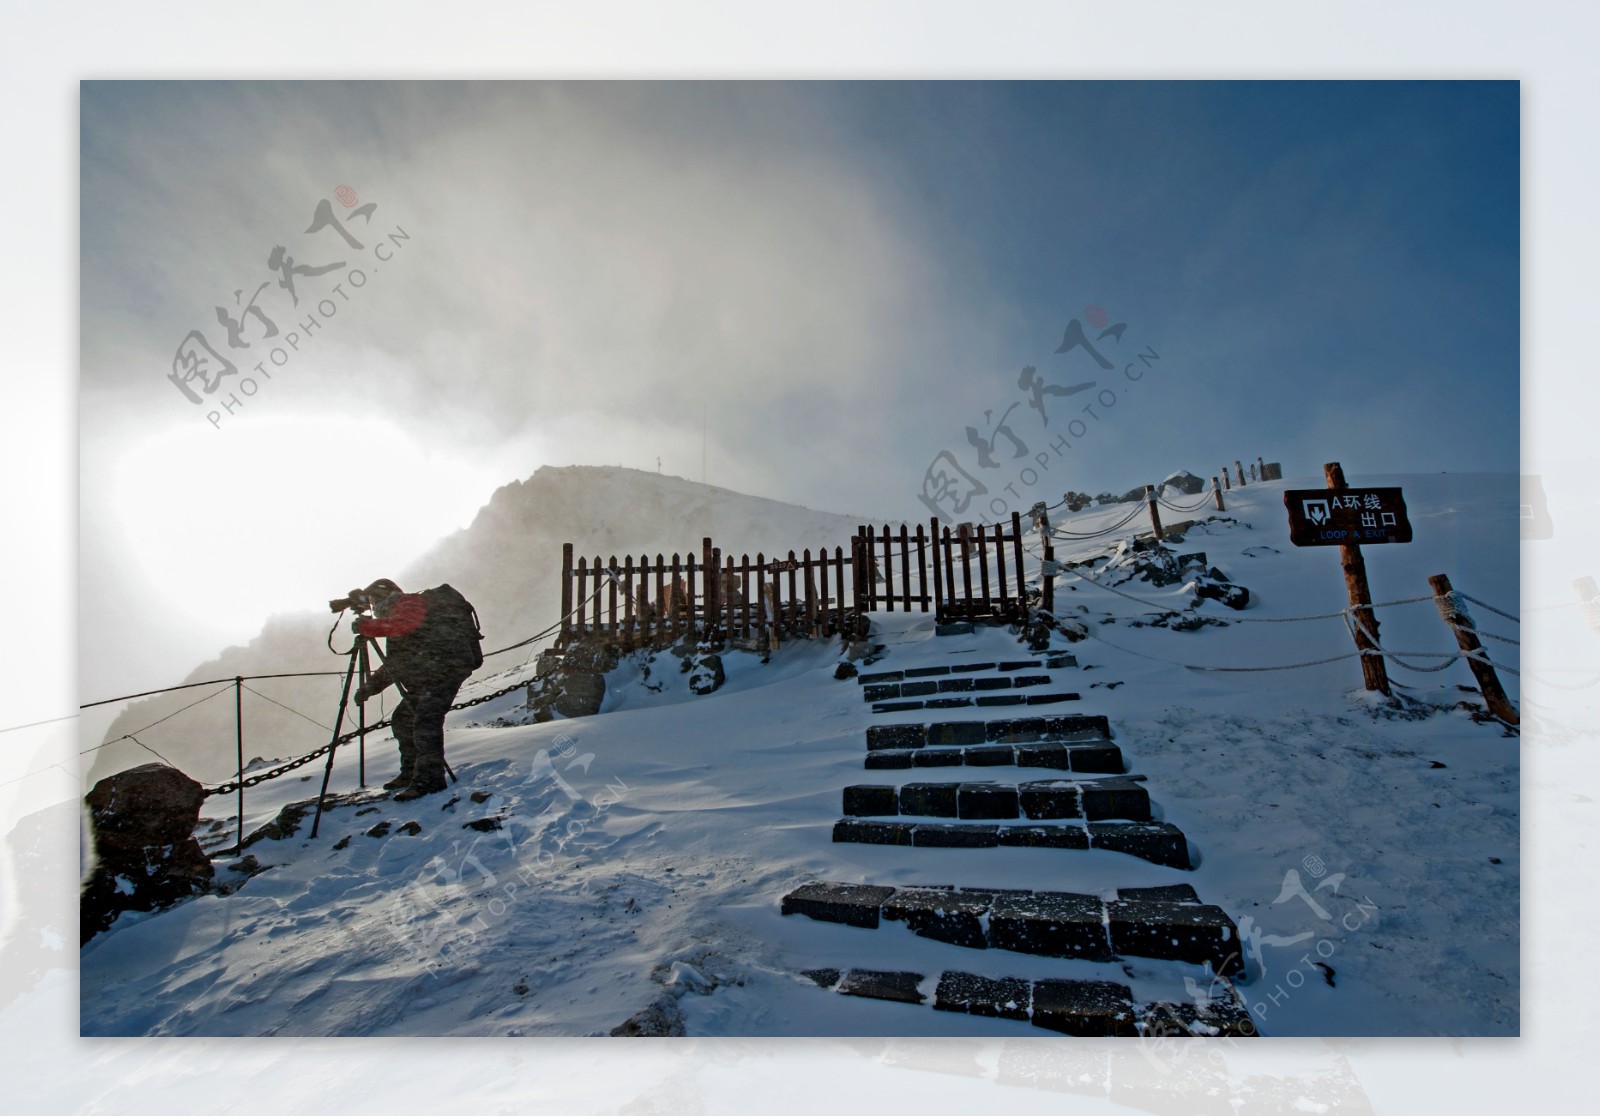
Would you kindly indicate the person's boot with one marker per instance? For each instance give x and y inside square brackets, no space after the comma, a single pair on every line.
[417,791]
[408,770]
[427,778]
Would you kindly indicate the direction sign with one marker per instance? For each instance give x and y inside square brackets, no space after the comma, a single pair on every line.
[1335,517]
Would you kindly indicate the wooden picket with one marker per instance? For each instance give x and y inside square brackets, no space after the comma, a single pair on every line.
[646,600]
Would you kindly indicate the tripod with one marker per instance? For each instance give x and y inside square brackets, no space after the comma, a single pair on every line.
[358,661]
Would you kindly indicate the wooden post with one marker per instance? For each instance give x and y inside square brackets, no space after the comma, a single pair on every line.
[1261,470]
[1018,575]
[566,587]
[1216,491]
[1048,588]
[938,573]
[1454,612]
[905,567]
[1155,516]
[888,569]
[1240,469]
[1373,669]
[1225,482]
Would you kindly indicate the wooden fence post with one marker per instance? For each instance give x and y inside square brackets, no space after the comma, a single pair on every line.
[1240,470]
[1155,516]
[1261,469]
[1365,628]
[1225,482]
[1048,588]
[1455,614]
[1216,491]
[938,572]
[566,588]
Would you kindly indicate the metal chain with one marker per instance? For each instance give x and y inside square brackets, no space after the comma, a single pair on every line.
[274,773]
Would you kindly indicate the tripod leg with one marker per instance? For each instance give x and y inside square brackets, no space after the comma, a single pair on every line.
[338,723]
[361,712]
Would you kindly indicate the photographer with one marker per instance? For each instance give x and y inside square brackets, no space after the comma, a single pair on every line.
[433,645]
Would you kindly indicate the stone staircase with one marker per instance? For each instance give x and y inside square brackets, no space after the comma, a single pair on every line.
[1097,805]
[964,684]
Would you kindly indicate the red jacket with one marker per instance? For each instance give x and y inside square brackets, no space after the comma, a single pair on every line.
[405,616]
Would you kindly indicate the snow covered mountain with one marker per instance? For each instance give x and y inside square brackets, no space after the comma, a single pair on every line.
[507,562]
[593,871]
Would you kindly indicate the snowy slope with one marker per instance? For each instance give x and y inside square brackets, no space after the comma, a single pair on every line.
[645,849]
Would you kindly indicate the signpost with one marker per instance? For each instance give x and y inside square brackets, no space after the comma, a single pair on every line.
[1342,517]
[1339,516]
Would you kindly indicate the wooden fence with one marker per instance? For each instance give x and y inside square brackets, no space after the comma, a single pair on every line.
[970,572]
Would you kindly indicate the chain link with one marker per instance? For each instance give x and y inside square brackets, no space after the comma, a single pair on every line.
[282,769]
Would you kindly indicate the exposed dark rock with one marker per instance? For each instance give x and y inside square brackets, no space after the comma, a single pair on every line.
[706,675]
[147,857]
[663,1018]
[580,694]
[1182,482]
[845,671]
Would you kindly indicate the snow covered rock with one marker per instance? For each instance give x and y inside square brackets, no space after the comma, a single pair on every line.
[1182,482]
[706,674]
[147,857]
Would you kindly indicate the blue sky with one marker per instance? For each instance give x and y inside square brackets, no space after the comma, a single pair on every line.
[837,279]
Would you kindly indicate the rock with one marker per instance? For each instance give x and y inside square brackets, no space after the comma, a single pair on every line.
[1234,597]
[845,671]
[143,823]
[1183,482]
[581,694]
[663,1018]
[706,675]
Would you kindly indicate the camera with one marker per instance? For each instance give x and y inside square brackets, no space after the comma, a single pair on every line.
[358,600]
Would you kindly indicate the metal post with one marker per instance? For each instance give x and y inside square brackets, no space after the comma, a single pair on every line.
[238,736]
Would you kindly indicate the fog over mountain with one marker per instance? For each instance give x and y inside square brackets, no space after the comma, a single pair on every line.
[507,562]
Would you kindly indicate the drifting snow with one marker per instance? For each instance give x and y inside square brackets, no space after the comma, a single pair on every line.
[583,870]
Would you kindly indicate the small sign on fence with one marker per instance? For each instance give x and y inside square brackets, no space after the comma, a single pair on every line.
[1334,518]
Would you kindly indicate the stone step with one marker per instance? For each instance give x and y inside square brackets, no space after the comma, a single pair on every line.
[1089,758]
[1160,843]
[1009,666]
[1052,727]
[1072,1007]
[1057,924]
[1096,800]
[955,684]
[957,702]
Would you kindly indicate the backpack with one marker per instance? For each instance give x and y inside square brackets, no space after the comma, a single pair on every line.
[454,636]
